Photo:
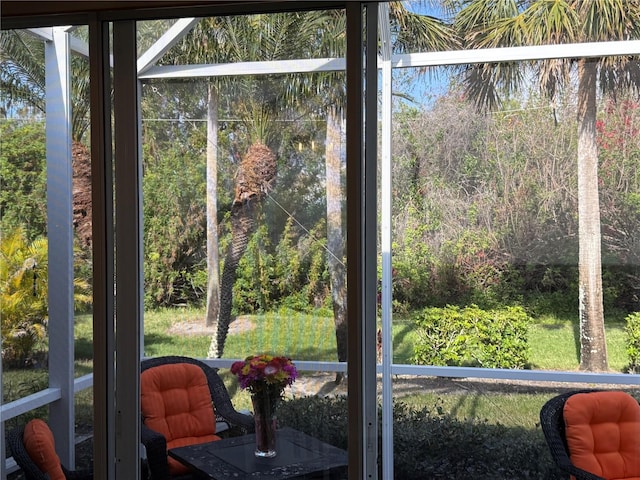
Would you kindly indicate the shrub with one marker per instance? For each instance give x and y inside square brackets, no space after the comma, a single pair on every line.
[23,291]
[291,273]
[18,384]
[632,330]
[472,337]
[24,177]
[24,296]
[431,444]
[174,227]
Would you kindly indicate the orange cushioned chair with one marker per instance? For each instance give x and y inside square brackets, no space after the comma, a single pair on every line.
[594,435]
[34,450]
[181,400]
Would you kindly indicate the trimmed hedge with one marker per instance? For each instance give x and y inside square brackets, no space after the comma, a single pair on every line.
[471,336]
[632,329]
[430,444]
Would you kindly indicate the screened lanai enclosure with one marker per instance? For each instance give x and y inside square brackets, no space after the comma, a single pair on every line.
[430,208]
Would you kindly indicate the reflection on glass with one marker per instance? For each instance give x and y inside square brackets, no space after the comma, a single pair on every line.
[244,201]
[29,318]
[488,211]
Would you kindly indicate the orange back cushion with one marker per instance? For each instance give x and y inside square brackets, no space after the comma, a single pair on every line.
[603,433]
[40,445]
[176,402]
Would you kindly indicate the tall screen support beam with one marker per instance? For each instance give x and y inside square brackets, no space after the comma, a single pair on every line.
[103,253]
[60,235]
[385,242]
[361,232]
[128,251]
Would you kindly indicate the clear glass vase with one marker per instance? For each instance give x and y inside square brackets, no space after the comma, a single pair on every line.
[264,416]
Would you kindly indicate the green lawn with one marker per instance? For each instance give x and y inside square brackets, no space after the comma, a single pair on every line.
[555,345]
[301,336]
[509,409]
[553,341]
[298,335]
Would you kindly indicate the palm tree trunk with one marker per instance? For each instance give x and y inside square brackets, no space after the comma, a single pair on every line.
[335,240]
[243,224]
[213,260]
[593,348]
[82,207]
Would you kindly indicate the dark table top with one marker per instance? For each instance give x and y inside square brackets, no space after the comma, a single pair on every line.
[299,456]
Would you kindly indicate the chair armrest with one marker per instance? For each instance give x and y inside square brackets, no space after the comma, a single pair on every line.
[21,456]
[582,474]
[86,474]
[224,409]
[156,447]
[237,421]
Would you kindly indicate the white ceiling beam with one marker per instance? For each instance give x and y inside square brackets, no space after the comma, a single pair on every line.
[245,68]
[426,59]
[45,33]
[76,45]
[512,54]
[165,42]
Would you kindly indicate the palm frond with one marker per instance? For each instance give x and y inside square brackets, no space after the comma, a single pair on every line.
[483,93]
[23,78]
[604,20]
[505,23]
[411,31]
[22,68]
[619,74]
[548,23]
[476,19]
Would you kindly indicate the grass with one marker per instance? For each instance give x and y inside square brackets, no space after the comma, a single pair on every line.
[509,409]
[298,335]
[302,336]
[555,344]
[553,340]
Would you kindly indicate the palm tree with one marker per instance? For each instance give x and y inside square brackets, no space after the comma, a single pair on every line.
[22,84]
[410,31]
[226,40]
[328,41]
[500,23]
[208,42]
[292,35]
[252,38]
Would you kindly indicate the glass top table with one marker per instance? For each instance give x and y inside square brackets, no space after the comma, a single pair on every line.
[299,456]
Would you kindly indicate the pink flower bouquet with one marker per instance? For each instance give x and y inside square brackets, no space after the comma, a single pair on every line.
[265,373]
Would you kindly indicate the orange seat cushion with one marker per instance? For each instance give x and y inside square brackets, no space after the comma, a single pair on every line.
[176,402]
[603,434]
[41,447]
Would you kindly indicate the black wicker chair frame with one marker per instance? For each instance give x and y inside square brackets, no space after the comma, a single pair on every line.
[30,469]
[553,427]
[156,444]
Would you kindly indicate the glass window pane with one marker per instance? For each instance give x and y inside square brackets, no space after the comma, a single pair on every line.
[244,205]
[490,205]
[46,222]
